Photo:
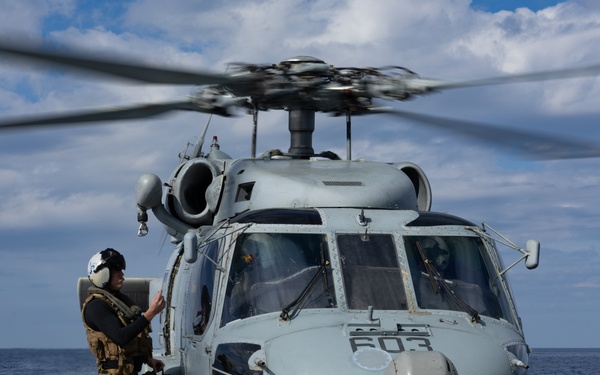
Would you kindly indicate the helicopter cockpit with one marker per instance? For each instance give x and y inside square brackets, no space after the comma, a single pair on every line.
[290,271]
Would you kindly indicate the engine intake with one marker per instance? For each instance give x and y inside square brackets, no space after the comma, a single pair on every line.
[420,183]
[196,191]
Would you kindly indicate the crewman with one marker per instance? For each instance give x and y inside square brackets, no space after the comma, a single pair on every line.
[117,331]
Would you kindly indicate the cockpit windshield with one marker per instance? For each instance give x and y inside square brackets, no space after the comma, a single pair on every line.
[269,271]
[371,272]
[289,272]
[450,273]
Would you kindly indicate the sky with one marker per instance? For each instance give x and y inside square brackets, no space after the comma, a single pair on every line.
[68,192]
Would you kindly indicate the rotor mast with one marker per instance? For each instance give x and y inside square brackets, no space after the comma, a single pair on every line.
[301,126]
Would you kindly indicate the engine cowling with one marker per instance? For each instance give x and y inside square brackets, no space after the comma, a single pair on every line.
[420,183]
[195,191]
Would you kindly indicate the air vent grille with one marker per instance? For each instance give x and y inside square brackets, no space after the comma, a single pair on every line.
[343,183]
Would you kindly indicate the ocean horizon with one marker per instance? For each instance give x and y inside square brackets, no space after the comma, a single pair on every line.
[79,361]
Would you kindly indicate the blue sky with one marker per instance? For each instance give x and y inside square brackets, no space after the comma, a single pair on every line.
[511,5]
[66,193]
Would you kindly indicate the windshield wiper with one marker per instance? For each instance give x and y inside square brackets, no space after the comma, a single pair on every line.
[437,280]
[429,268]
[285,312]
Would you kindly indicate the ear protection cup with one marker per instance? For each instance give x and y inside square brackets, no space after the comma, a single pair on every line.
[100,265]
[100,278]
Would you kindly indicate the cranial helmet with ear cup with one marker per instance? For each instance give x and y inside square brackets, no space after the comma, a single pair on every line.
[101,265]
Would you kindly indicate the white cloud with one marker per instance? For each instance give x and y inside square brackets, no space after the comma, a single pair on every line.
[23,20]
[70,178]
[595,284]
[30,209]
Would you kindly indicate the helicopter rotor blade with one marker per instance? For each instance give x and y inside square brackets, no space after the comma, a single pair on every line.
[136,72]
[531,144]
[127,113]
[586,71]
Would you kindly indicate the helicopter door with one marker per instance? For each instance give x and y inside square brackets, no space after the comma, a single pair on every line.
[371,272]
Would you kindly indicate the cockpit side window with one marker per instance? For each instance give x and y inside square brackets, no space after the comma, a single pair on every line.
[271,270]
[371,272]
[449,273]
[201,288]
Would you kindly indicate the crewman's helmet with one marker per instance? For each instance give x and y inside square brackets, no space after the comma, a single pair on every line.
[437,252]
[101,265]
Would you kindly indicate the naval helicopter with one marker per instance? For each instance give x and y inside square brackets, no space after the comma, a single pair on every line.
[301,262]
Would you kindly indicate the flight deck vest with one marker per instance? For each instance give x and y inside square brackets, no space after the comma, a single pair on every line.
[105,349]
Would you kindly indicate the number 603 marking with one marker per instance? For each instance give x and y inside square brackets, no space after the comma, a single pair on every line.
[391,344]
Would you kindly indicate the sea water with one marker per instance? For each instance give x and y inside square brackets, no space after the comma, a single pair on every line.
[564,362]
[81,362]
[47,361]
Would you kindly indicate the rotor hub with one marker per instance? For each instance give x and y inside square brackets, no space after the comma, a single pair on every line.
[303,59]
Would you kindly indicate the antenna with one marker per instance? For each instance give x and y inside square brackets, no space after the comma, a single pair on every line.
[198,149]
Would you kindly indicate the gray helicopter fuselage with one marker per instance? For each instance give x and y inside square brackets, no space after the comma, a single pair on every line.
[370,314]
[290,266]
